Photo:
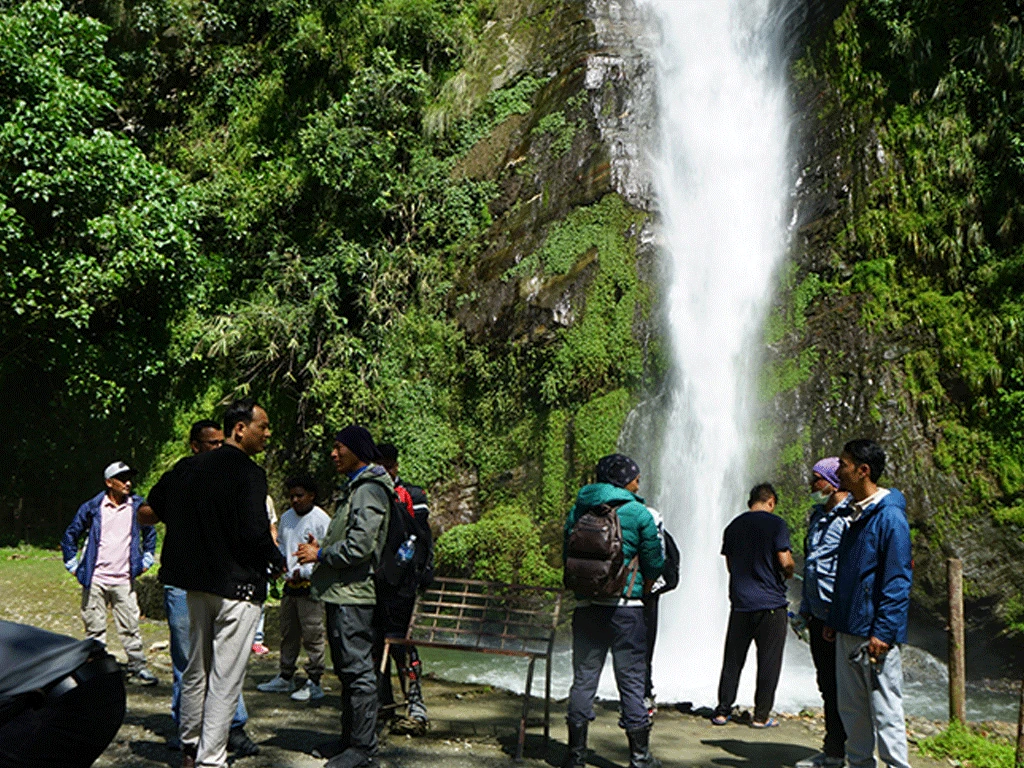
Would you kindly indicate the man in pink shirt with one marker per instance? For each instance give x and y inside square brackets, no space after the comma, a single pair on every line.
[117,550]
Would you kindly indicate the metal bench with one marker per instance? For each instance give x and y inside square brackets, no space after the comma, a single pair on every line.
[489,617]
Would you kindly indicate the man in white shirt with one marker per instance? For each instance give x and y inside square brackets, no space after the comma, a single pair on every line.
[302,617]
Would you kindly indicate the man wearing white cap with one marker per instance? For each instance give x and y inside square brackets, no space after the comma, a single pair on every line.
[117,550]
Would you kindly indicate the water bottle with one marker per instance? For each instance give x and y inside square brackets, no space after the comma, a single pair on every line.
[406,552]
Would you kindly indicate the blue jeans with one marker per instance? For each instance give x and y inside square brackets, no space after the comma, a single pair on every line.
[176,607]
[596,629]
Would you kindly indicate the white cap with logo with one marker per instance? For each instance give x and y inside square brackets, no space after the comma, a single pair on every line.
[118,468]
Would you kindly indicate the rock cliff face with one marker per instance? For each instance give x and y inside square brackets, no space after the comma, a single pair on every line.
[574,195]
[564,275]
[833,374]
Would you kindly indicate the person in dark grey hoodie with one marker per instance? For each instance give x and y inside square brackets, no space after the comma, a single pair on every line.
[615,623]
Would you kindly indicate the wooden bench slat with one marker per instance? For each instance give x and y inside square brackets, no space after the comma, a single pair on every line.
[487,617]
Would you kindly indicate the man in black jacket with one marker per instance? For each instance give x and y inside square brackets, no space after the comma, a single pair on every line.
[218,547]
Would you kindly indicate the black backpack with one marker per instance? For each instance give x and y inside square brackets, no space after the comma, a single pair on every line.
[670,575]
[424,536]
[392,577]
[594,564]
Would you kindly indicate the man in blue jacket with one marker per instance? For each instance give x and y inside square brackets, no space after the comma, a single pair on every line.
[615,623]
[117,551]
[868,617]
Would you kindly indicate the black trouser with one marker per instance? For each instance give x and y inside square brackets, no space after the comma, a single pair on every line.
[651,620]
[350,634]
[391,619]
[67,731]
[768,631]
[824,654]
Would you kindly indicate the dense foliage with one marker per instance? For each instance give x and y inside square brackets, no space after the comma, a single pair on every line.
[243,196]
[927,103]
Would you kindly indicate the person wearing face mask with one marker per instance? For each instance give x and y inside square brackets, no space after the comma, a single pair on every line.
[828,521]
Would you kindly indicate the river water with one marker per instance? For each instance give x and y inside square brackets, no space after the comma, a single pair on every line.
[721,166]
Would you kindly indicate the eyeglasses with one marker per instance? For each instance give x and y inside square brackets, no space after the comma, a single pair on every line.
[213,443]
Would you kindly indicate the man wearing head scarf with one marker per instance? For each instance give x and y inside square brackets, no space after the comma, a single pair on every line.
[342,579]
[614,623]
[828,521]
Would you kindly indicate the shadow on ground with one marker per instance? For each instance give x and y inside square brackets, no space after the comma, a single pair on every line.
[760,753]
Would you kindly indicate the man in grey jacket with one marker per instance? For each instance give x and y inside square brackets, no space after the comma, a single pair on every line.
[342,579]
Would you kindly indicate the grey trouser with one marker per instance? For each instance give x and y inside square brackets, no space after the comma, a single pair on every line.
[350,633]
[596,629]
[302,623]
[125,607]
[220,635]
[870,702]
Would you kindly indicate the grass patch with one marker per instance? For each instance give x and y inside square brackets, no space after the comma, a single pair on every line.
[959,743]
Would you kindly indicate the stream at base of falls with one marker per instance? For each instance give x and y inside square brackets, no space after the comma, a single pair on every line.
[925,686]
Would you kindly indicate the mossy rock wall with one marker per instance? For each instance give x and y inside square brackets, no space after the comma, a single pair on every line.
[557,304]
[891,321]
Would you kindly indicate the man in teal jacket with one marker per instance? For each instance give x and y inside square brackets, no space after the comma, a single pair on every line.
[617,623]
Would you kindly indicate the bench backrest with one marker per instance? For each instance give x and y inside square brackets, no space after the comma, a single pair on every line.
[486,616]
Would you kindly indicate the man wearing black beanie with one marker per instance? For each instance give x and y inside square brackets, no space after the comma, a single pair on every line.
[346,561]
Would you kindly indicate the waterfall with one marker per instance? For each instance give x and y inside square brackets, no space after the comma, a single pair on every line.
[722,181]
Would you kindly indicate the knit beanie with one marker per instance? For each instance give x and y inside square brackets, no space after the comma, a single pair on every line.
[617,469]
[828,469]
[358,440]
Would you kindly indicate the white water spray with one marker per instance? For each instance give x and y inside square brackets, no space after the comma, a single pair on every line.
[722,184]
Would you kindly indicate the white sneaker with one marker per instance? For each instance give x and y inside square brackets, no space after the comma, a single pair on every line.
[277,685]
[821,760]
[309,692]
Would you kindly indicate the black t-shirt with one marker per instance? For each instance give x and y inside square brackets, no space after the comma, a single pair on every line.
[751,543]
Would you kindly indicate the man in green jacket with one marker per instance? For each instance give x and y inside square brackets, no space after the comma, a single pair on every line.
[346,560]
[615,623]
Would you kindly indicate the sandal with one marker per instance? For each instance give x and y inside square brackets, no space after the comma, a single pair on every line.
[771,722]
[720,719]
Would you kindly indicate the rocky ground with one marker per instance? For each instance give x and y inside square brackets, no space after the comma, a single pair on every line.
[472,726]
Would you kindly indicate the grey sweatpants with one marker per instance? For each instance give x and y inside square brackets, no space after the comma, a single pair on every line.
[220,636]
[870,702]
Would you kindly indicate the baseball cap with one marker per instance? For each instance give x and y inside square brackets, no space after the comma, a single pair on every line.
[118,468]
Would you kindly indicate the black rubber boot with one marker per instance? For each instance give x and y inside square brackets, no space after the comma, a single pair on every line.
[577,757]
[240,743]
[640,750]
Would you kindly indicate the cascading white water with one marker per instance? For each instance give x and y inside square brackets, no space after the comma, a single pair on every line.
[722,184]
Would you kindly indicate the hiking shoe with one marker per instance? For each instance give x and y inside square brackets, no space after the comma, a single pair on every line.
[409,726]
[240,743]
[277,685]
[144,677]
[821,760]
[309,692]
[260,649]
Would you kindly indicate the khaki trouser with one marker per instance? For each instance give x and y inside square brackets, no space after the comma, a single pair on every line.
[125,608]
[220,637]
[302,622]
